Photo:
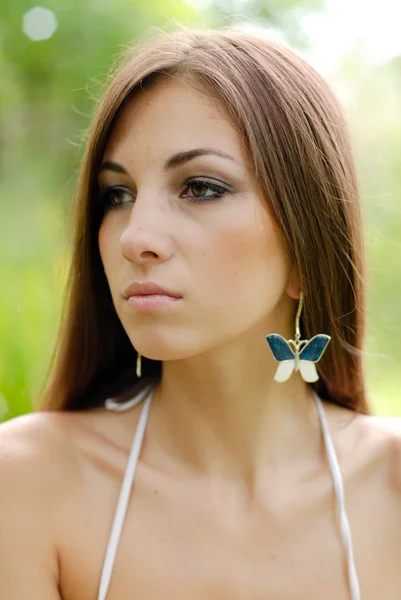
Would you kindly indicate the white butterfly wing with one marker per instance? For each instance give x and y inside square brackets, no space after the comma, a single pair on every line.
[308,371]
[284,370]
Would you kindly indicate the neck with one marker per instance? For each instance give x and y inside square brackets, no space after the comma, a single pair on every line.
[223,415]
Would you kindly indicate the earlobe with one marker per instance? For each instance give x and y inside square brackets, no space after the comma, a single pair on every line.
[292,289]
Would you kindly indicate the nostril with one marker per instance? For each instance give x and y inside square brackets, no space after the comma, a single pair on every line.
[148,252]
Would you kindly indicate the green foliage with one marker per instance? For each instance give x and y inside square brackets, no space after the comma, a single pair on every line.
[374,103]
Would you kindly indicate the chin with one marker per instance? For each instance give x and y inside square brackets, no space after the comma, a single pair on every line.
[158,347]
[166,347]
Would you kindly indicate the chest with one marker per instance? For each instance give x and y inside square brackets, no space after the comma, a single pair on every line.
[176,544]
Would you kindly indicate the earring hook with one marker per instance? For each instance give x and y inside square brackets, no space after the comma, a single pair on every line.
[300,304]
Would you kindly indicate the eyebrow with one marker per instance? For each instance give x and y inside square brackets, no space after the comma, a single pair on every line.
[174,161]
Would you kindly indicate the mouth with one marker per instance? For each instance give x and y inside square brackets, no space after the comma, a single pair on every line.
[149,302]
[148,288]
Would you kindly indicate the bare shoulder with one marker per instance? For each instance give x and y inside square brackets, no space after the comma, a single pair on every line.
[35,449]
[380,439]
[39,466]
[388,429]
[54,468]
[369,446]
[383,430]
[52,450]
[37,474]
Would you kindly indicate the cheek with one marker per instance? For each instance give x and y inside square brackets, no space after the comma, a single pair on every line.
[252,258]
[107,245]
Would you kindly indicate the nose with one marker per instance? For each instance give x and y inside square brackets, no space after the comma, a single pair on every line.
[144,238]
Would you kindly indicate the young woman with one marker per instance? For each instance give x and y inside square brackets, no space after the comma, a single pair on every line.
[205,433]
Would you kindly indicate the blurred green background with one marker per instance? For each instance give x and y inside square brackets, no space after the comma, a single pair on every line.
[49,89]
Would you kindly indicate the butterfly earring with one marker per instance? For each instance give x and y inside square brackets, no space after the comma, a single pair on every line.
[299,355]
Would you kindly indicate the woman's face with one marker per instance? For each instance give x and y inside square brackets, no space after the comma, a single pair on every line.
[217,247]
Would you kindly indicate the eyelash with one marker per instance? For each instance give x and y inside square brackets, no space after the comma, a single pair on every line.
[104,195]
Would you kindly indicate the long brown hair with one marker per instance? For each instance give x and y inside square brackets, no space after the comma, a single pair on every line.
[295,136]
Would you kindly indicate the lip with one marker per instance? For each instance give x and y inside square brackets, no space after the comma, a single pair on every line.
[151,302]
[145,288]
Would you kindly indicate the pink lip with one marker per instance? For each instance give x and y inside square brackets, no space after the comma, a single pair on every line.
[149,302]
[138,288]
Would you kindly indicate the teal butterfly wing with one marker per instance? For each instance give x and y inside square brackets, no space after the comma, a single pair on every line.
[311,354]
[315,347]
[280,348]
[284,354]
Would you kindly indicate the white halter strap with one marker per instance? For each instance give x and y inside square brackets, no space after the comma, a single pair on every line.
[126,484]
[339,492]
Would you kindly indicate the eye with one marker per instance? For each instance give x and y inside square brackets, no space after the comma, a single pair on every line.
[112,197]
[199,186]
[202,191]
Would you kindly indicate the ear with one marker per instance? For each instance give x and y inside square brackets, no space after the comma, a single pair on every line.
[292,288]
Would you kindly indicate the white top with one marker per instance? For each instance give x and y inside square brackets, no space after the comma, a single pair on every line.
[130,474]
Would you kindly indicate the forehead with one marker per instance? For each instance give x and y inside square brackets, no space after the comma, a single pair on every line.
[172,115]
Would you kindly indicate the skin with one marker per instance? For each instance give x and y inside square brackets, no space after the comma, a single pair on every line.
[232,497]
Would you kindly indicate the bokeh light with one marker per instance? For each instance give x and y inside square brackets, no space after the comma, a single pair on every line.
[39,23]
